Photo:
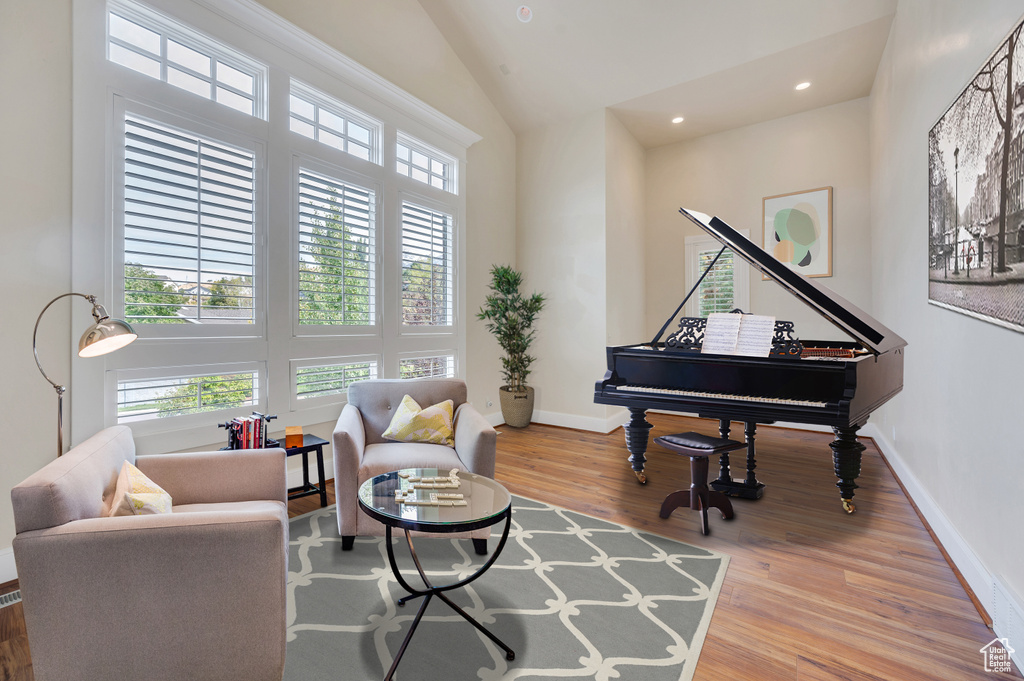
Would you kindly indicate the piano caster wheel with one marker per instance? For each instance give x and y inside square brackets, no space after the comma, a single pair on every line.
[641,477]
[848,506]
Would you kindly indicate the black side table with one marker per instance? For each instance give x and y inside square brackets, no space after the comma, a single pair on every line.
[310,443]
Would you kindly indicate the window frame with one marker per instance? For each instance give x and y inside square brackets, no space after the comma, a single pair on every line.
[287,52]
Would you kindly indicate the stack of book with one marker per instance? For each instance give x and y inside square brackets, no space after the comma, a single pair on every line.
[249,432]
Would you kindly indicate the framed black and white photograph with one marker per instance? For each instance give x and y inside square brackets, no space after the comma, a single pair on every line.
[976,194]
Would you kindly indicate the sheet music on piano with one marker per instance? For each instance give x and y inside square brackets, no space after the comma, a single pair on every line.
[744,335]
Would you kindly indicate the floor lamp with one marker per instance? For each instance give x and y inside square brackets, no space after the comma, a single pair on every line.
[105,335]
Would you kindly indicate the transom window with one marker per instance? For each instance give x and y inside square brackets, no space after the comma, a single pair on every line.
[149,43]
[328,121]
[425,164]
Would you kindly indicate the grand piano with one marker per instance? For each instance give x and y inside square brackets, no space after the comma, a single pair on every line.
[831,383]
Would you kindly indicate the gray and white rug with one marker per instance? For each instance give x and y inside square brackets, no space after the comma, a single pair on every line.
[574,596]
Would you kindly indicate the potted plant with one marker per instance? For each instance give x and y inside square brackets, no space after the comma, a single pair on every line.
[510,318]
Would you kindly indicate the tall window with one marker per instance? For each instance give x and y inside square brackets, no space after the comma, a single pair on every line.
[724,288]
[717,292]
[337,251]
[188,221]
[427,277]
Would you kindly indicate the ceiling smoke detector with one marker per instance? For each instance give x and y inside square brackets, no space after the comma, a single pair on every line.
[524,13]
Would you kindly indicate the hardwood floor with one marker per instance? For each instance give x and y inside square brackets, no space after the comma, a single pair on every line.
[811,594]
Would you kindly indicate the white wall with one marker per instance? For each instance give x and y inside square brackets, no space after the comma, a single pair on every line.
[625,234]
[396,39]
[35,226]
[953,434]
[727,175]
[560,248]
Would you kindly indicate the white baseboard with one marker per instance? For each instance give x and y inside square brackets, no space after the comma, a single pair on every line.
[1005,608]
[8,571]
[591,423]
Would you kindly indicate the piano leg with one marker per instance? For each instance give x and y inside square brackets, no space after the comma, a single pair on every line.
[724,474]
[750,488]
[637,431]
[846,451]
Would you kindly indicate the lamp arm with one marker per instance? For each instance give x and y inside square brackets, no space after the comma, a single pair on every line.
[92,299]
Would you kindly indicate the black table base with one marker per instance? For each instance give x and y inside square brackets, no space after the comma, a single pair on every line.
[430,591]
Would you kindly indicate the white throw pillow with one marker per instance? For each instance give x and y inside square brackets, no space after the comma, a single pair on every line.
[135,494]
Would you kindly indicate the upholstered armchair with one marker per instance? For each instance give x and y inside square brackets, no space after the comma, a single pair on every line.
[361,452]
[197,593]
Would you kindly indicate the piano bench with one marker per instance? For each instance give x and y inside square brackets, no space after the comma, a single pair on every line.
[699,497]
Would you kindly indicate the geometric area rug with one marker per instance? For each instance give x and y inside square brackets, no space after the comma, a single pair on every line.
[575,597]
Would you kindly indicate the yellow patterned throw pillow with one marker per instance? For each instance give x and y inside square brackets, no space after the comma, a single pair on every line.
[135,494]
[432,425]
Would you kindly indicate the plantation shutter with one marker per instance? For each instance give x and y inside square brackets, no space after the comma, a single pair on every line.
[427,256]
[336,251]
[178,395]
[716,292]
[427,367]
[189,216]
[331,379]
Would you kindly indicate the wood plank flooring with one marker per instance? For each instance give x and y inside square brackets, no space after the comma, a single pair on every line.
[812,594]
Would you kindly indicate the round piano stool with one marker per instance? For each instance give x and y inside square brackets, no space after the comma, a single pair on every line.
[699,497]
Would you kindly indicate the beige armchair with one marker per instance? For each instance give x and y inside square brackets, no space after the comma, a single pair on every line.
[198,593]
[360,452]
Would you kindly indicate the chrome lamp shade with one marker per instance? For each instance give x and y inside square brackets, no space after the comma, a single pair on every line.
[105,335]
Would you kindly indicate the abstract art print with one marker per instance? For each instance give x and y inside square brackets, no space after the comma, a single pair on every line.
[798,230]
[975,199]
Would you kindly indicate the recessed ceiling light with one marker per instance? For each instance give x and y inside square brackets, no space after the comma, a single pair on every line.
[524,13]
[677,119]
[803,86]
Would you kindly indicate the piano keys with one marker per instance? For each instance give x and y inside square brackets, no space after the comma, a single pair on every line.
[831,383]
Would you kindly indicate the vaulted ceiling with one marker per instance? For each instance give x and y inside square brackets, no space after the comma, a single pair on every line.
[720,64]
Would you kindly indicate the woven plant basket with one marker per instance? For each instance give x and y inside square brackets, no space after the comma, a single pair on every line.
[516,407]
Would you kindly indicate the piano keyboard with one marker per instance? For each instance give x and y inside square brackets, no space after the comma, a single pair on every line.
[720,396]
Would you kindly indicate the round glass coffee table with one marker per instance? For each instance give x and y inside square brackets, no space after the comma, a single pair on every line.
[438,502]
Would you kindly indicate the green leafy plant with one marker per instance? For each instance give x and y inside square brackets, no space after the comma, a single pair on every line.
[510,317]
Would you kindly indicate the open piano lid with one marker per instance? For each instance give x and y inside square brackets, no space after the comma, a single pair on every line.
[844,315]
